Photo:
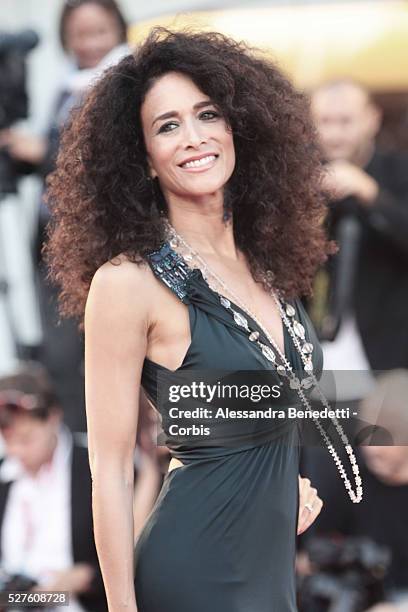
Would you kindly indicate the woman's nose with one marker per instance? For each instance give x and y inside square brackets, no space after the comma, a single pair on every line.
[194,135]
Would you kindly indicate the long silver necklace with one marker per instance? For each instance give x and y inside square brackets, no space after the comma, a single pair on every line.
[297,333]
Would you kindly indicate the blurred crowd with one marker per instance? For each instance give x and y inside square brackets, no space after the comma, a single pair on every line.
[356,558]
[353,558]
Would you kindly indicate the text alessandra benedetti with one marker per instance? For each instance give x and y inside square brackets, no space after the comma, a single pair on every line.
[268,413]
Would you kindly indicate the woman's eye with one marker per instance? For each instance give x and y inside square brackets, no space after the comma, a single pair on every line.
[208,115]
[168,127]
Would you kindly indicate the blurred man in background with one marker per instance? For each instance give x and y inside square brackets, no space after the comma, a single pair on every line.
[359,306]
[46,527]
[363,302]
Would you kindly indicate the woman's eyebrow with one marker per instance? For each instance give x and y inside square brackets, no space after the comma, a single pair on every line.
[170,114]
[167,115]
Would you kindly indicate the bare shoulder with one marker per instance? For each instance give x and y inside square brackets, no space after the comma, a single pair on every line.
[123,287]
[122,274]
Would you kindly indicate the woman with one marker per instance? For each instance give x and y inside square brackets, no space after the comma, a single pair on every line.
[93,36]
[191,168]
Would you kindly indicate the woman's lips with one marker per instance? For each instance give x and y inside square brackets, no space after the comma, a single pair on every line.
[201,163]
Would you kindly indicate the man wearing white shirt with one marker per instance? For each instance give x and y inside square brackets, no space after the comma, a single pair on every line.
[46,529]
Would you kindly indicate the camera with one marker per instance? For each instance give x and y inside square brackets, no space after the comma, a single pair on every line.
[349,575]
[16,582]
[13,97]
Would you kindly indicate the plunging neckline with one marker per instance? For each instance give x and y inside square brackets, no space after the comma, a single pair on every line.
[254,324]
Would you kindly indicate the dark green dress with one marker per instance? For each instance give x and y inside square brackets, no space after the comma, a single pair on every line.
[222,534]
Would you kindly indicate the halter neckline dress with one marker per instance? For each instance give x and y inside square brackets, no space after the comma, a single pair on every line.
[221,536]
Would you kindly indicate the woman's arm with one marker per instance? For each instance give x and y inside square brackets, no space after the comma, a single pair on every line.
[149,476]
[116,324]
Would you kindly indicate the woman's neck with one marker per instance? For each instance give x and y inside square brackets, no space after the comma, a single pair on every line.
[203,227]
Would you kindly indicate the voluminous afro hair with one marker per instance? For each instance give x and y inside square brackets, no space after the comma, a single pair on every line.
[103,203]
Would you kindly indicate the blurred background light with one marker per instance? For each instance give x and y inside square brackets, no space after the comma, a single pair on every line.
[313,42]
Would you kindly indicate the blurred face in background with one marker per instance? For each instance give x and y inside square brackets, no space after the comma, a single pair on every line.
[388,463]
[30,440]
[91,32]
[347,122]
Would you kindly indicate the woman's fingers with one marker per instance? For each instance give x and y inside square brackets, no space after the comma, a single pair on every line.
[307,516]
[310,505]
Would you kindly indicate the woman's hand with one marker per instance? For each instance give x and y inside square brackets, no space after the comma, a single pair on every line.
[76,579]
[343,179]
[310,505]
[23,147]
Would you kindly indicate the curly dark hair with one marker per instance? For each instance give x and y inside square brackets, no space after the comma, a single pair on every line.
[103,203]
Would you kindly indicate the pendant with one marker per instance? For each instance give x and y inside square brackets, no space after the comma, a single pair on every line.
[240,320]
[254,336]
[299,329]
[294,383]
[307,348]
[307,383]
[224,302]
[290,311]
[268,353]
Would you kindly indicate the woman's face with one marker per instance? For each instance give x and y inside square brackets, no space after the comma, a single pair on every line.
[189,145]
[91,33]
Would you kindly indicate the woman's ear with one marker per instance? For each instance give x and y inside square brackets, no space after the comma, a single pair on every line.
[152,171]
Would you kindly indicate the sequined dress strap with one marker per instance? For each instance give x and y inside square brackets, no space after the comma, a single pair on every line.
[171,268]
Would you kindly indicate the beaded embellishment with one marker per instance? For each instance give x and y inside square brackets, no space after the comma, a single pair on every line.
[171,268]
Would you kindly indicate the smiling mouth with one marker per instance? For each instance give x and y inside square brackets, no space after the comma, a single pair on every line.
[198,163]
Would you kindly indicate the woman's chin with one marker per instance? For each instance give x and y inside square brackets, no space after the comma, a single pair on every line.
[204,189]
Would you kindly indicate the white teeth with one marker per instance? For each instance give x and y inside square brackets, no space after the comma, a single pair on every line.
[199,162]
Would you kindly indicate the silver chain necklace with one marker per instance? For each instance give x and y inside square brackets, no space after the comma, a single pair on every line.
[297,333]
